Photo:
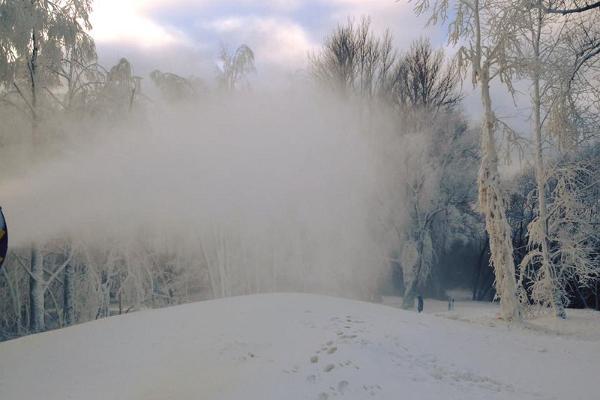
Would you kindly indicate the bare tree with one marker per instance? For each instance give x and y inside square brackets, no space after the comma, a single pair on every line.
[353,61]
[424,79]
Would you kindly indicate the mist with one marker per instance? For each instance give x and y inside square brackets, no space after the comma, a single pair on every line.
[283,190]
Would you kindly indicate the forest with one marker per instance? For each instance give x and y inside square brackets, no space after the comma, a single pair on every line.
[364,175]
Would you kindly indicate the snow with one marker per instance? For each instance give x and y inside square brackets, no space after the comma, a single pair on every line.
[580,324]
[298,346]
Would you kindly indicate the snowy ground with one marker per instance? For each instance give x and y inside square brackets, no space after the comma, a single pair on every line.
[580,324]
[293,346]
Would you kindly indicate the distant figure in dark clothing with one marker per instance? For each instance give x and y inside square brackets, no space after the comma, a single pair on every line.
[419,303]
[450,303]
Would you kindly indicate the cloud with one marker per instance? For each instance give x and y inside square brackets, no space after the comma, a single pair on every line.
[276,41]
[397,16]
[281,32]
[269,5]
[124,23]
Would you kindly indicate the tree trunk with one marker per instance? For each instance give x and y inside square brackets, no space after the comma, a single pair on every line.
[408,300]
[36,291]
[540,178]
[33,67]
[15,299]
[419,278]
[413,285]
[598,296]
[69,295]
[491,199]
[103,309]
[493,207]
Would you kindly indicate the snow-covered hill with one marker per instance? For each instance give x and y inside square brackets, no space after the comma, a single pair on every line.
[293,346]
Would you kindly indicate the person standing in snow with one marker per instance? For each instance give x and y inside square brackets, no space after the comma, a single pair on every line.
[419,303]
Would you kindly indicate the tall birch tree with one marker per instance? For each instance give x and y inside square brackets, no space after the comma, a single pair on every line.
[531,60]
[546,61]
[485,31]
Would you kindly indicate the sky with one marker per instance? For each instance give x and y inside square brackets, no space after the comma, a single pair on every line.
[184,36]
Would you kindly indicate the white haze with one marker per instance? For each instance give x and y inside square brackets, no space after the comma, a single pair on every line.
[290,185]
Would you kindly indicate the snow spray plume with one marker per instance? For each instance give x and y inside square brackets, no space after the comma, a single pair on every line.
[250,193]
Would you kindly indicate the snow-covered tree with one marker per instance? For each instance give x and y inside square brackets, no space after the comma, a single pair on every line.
[175,88]
[80,74]
[439,195]
[233,69]
[567,7]
[570,234]
[573,98]
[122,87]
[530,60]
[34,37]
[43,268]
[486,31]
[540,59]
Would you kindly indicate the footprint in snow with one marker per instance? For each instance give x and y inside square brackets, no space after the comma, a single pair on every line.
[372,389]
[342,386]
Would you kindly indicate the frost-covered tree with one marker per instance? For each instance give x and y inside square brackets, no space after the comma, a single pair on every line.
[540,59]
[122,86]
[573,99]
[571,235]
[34,36]
[43,268]
[439,195]
[530,60]
[486,33]
[420,87]
[567,7]
[80,75]
[175,88]
[233,69]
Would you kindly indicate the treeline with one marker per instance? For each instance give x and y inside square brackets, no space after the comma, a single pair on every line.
[540,233]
